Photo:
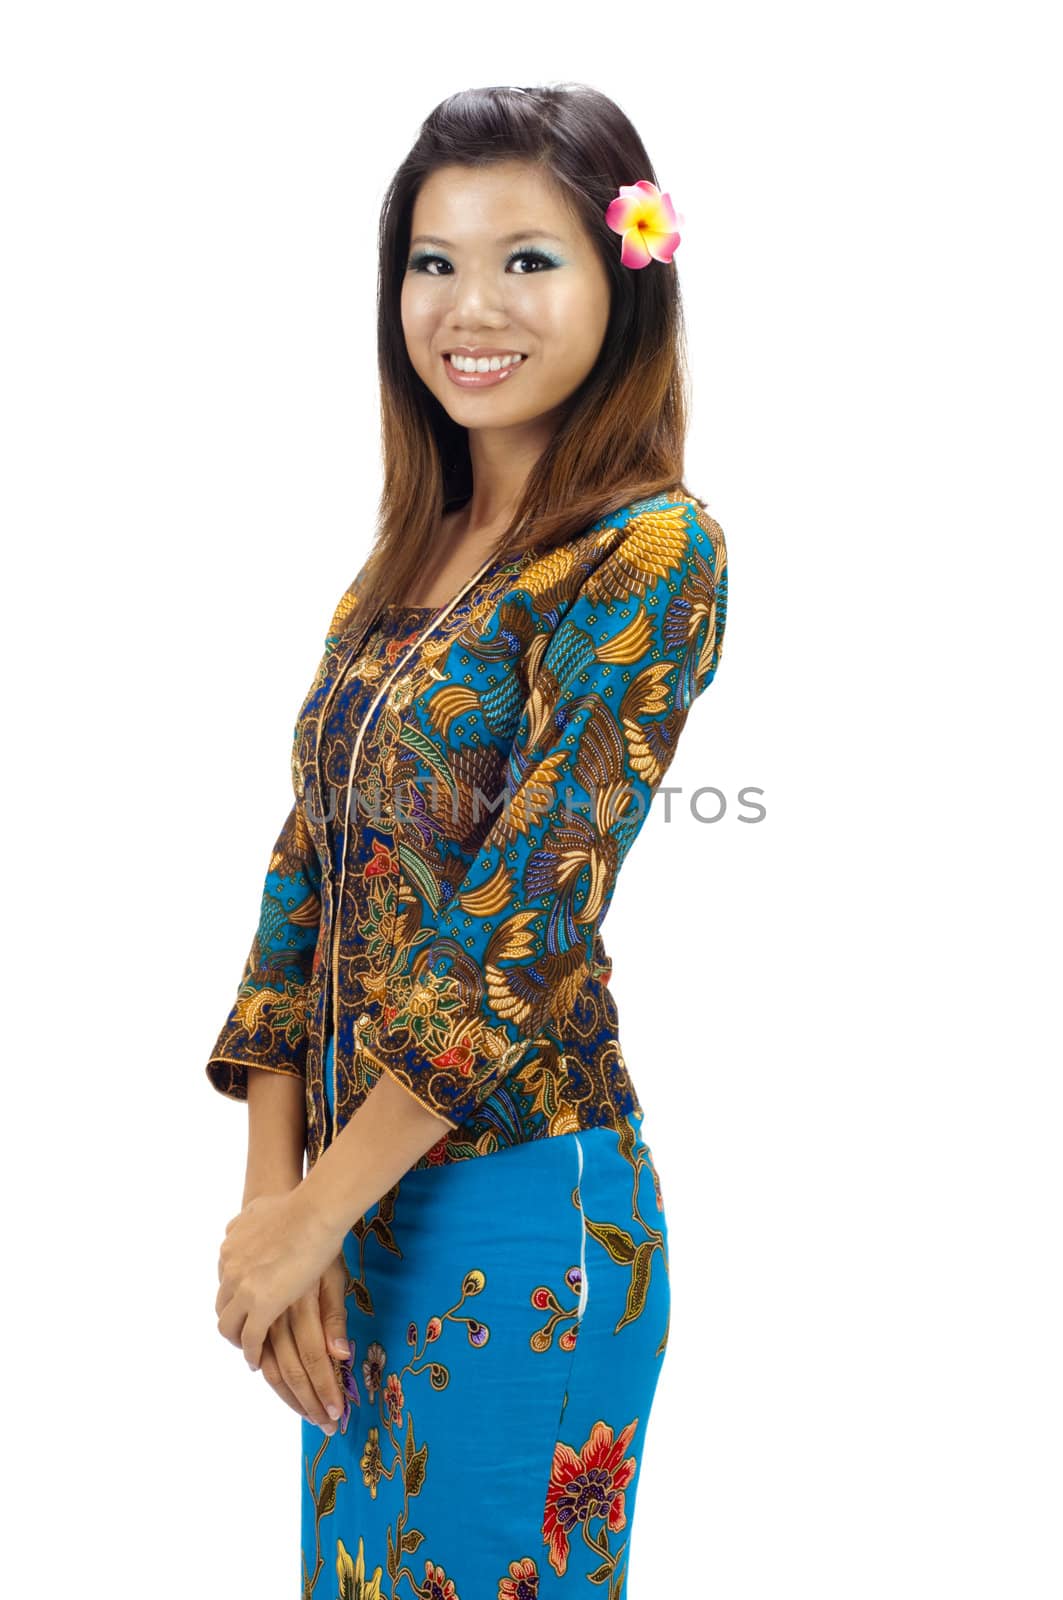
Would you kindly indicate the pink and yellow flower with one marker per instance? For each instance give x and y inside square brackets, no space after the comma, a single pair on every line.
[648,222]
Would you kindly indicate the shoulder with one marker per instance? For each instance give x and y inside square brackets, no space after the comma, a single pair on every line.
[653,550]
[346,608]
[648,589]
[663,541]
[661,555]
[671,537]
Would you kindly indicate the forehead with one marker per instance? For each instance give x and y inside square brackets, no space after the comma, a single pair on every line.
[481,204]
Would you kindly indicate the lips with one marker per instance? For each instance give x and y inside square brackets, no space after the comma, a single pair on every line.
[483,380]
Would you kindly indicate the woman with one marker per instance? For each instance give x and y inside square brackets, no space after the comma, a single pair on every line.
[466,1296]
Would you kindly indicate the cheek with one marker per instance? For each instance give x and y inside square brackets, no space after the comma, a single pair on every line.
[568,321]
[416,311]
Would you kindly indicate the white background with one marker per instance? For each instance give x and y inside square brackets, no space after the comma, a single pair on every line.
[849,1056]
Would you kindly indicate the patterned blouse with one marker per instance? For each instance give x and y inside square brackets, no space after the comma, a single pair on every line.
[466,952]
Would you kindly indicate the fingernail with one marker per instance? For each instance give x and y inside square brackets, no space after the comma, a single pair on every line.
[342,1346]
[335,1412]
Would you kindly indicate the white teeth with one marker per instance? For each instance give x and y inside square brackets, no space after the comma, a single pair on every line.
[483,363]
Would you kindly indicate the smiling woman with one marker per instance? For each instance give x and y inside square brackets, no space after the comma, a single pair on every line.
[473,1270]
[494,237]
[486,288]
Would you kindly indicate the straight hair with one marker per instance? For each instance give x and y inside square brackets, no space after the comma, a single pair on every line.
[621,434]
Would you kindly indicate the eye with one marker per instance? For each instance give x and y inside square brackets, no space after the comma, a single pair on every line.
[537,256]
[420,264]
[542,261]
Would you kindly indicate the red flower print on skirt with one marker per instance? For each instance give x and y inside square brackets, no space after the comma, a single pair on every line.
[587,1485]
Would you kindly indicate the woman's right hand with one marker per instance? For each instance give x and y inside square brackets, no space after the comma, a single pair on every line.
[303,1345]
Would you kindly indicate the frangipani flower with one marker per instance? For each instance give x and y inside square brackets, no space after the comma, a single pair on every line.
[648,222]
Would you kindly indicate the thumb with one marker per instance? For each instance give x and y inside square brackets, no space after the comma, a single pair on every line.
[334,1310]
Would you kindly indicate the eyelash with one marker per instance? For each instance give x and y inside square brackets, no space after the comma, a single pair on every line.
[417,264]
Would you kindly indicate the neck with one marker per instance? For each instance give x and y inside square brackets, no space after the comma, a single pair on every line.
[502,460]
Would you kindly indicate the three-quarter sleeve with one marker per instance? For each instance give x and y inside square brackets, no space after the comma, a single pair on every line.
[267,1024]
[514,943]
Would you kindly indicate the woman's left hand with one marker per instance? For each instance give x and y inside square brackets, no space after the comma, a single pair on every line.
[273,1252]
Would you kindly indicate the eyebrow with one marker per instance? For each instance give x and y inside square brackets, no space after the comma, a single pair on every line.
[510,238]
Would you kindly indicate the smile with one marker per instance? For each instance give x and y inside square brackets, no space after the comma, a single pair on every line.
[499,368]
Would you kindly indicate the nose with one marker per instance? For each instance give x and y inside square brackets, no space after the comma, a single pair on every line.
[477,302]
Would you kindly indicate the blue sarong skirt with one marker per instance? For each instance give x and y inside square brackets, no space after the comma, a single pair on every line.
[508,1318]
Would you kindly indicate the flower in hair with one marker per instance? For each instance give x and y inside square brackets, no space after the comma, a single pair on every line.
[648,222]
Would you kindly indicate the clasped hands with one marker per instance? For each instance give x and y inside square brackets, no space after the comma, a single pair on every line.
[281,1299]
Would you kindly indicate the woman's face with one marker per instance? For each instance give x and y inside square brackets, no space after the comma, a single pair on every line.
[497,262]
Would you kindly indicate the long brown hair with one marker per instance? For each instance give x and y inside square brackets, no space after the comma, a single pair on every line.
[622,431]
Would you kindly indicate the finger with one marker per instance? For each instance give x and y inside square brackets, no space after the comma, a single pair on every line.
[295,1375]
[231,1320]
[270,1370]
[242,1328]
[304,1318]
[252,1338]
[334,1309]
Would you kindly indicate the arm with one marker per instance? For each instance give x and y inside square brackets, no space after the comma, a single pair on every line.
[515,941]
[276,1133]
[378,1145]
[281,1244]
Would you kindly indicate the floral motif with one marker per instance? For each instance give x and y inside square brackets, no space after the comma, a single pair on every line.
[406,1457]
[372,1462]
[522,1582]
[393,1399]
[436,1585]
[544,1299]
[647,221]
[353,1582]
[586,1486]
[373,1369]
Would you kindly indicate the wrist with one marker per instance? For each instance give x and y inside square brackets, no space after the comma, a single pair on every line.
[323,1214]
[280,1178]
[327,1199]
